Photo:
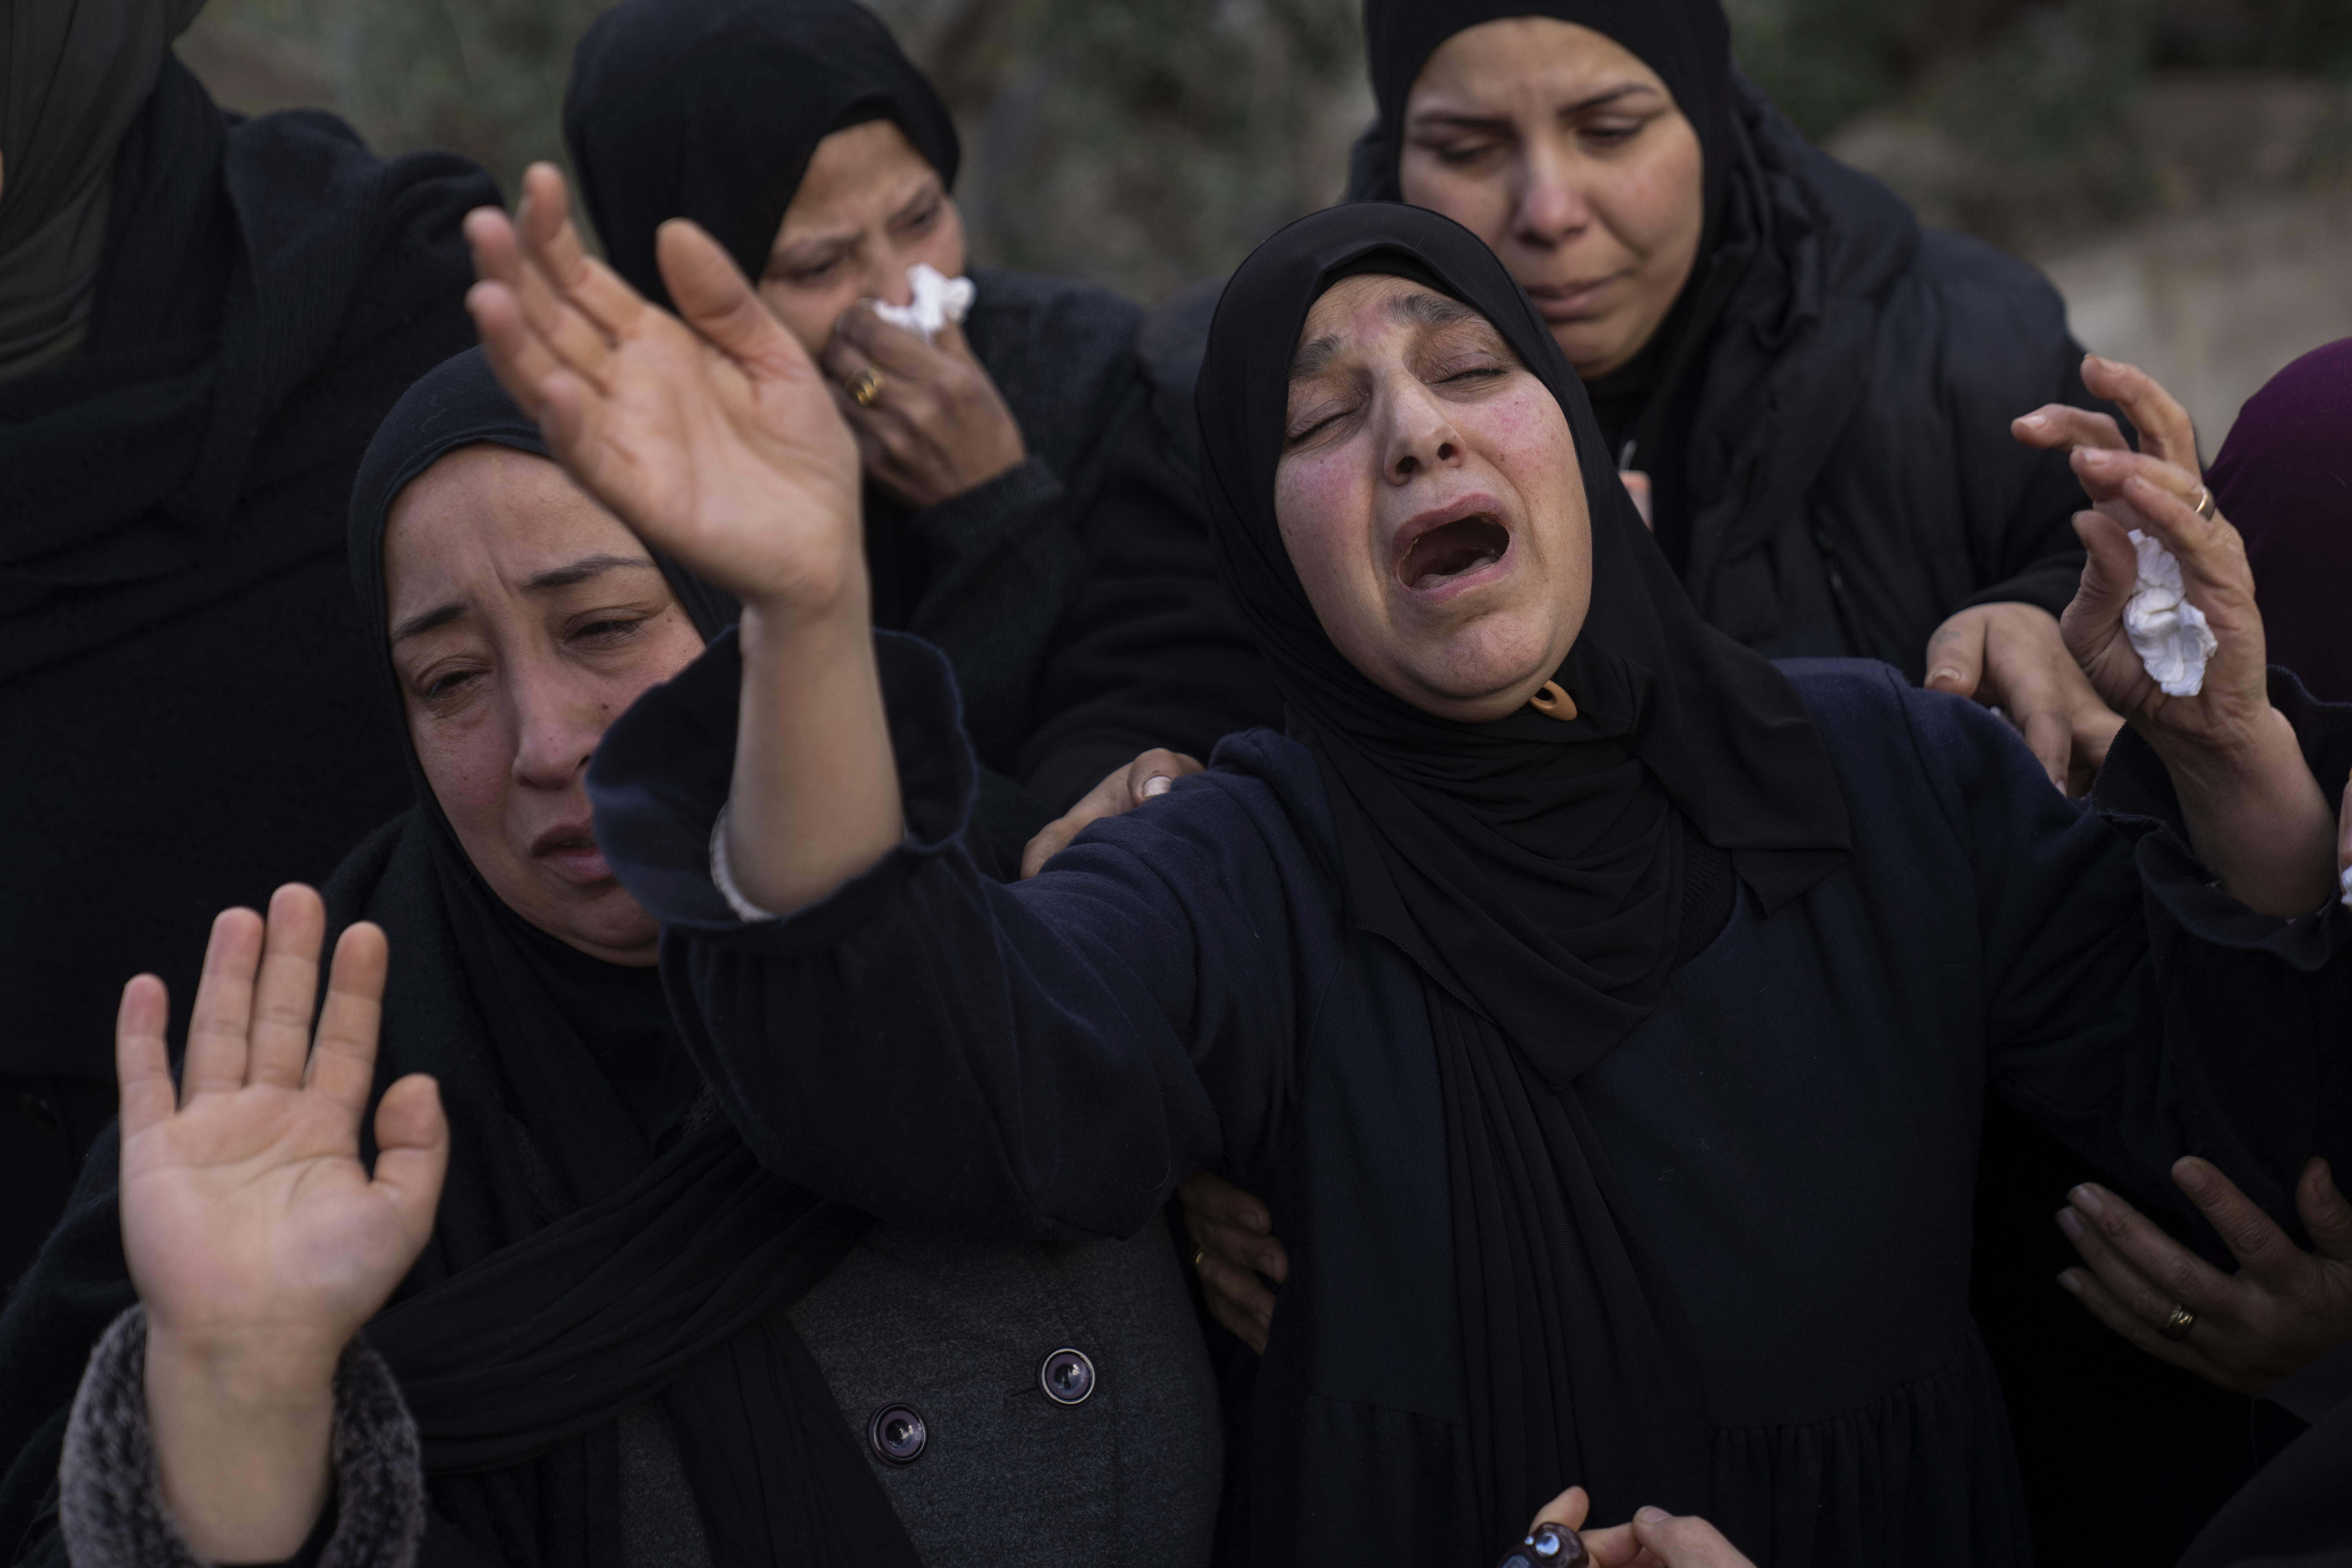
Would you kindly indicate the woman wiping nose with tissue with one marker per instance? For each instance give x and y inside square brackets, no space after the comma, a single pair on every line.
[1020,511]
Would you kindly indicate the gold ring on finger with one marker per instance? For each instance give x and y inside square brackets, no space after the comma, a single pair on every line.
[865,388]
[2203,506]
[2178,1323]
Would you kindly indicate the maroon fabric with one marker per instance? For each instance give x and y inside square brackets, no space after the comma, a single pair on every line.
[2284,479]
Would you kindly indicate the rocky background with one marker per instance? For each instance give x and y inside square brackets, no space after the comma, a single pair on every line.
[2182,168]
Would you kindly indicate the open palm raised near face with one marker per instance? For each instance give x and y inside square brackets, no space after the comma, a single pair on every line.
[714,436]
[247,1214]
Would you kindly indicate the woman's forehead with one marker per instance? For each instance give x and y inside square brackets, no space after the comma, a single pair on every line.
[1367,306]
[487,508]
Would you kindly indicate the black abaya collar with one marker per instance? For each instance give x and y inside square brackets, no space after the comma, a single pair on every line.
[1536,872]
[710,110]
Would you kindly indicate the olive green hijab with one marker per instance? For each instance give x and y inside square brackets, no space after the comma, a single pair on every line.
[73,75]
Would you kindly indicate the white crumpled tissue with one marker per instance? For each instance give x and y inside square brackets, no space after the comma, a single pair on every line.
[2167,631]
[939,299]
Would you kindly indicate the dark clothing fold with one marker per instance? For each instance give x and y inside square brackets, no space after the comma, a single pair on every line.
[2284,476]
[75,78]
[1792,1131]
[178,656]
[2294,1512]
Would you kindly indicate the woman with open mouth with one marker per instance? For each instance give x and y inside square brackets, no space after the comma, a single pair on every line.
[1606,1010]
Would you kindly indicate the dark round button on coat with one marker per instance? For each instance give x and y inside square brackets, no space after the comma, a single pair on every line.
[1066,1376]
[898,1434]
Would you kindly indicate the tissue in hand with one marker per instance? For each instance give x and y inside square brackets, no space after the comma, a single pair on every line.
[939,299]
[2167,631]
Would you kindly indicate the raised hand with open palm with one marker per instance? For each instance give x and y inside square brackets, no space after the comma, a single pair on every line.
[710,433]
[258,1242]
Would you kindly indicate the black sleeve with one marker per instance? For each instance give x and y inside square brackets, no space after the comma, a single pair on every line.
[1001,562]
[1152,651]
[2033,557]
[2136,1011]
[1046,1059]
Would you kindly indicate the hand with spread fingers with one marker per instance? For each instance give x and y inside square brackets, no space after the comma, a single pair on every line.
[1235,1253]
[2254,814]
[710,433]
[929,423]
[1151,775]
[259,1241]
[2011,656]
[2282,1310]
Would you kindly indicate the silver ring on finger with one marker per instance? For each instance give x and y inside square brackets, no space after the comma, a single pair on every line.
[2203,507]
[2178,1322]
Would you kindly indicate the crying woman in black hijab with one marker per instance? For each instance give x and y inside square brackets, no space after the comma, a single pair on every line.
[1727,292]
[1019,510]
[1607,1010]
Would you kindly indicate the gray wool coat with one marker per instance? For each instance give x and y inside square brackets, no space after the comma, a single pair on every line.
[1119,1465]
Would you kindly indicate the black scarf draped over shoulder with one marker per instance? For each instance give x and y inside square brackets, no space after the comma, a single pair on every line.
[1537,872]
[710,110]
[605,1239]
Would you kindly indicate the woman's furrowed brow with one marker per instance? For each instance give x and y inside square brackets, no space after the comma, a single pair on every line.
[1311,357]
[580,571]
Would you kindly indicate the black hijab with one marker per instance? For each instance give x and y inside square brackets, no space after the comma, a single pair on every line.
[73,76]
[710,110]
[1687,42]
[672,1254]
[1537,871]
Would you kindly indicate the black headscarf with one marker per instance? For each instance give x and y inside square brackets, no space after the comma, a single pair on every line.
[73,76]
[710,110]
[667,1274]
[1536,870]
[1687,42]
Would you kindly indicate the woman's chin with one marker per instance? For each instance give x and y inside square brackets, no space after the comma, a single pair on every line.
[601,920]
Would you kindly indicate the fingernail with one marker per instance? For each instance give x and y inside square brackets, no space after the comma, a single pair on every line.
[2087,1198]
[2036,420]
[2189,1177]
[1158,783]
[1651,1515]
[1946,673]
[2070,1222]
[2068,1283]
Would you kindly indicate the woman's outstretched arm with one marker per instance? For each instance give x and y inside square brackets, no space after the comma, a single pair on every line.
[718,441]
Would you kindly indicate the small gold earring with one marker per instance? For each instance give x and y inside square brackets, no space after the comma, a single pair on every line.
[1553,701]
